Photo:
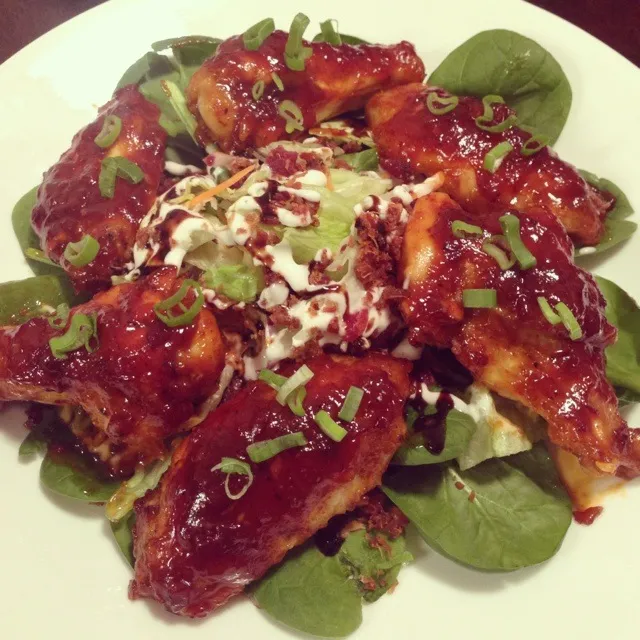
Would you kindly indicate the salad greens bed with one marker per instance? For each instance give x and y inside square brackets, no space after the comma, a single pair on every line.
[484,511]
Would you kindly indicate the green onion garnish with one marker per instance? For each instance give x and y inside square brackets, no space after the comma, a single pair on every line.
[257,90]
[261,451]
[460,229]
[329,426]
[179,104]
[295,401]
[535,143]
[294,52]
[484,121]
[511,226]
[504,260]
[569,321]
[163,309]
[298,379]
[277,81]
[81,253]
[330,33]
[117,167]
[38,256]
[254,36]
[550,315]
[351,404]
[439,105]
[290,111]
[111,127]
[494,158]
[274,380]
[60,318]
[82,330]
[479,298]
[230,466]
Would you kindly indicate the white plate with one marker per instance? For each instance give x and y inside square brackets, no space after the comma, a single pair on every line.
[62,576]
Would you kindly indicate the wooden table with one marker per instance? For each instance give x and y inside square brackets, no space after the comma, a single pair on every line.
[616,22]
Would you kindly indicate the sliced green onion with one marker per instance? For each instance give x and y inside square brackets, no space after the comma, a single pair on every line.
[179,104]
[60,318]
[257,90]
[494,158]
[163,309]
[330,33]
[38,256]
[295,401]
[231,466]
[504,260]
[351,404]
[81,253]
[261,451]
[329,426]
[294,52]
[298,379]
[569,321]
[535,143]
[82,331]
[291,112]
[439,105]
[117,167]
[111,128]
[236,281]
[254,36]
[479,298]
[511,226]
[460,229]
[484,121]
[550,315]
[274,380]
[277,81]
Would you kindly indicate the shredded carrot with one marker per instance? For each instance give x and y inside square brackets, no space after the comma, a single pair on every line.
[219,188]
[329,180]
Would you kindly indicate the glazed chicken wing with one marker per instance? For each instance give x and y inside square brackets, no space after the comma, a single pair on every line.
[70,204]
[196,548]
[411,139]
[335,79]
[142,381]
[512,348]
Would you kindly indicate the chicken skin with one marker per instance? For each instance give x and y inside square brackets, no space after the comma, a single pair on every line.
[335,79]
[196,548]
[70,204]
[512,348]
[413,140]
[142,380]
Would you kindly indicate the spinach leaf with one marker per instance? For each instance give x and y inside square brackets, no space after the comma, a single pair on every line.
[627,397]
[22,300]
[366,160]
[501,515]
[374,569]
[616,228]
[123,534]
[623,357]
[68,474]
[515,67]
[311,593]
[34,443]
[459,426]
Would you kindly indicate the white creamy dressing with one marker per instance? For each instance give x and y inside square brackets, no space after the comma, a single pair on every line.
[241,224]
[273,295]
[177,169]
[282,263]
[481,406]
[406,351]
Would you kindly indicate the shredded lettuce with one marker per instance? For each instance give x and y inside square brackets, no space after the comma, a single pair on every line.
[236,281]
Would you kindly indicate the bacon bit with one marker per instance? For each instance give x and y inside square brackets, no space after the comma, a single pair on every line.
[229,182]
[368,583]
[458,485]
[472,496]
[377,541]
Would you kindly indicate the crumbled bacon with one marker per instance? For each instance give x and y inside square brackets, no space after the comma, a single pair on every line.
[283,162]
[382,516]
[280,318]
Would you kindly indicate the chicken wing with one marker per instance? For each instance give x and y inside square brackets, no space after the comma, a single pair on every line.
[70,204]
[512,348]
[142,382]
[196,548]
[411,139]
[336,79]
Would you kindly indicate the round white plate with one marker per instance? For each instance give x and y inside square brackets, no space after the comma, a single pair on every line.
[61,573]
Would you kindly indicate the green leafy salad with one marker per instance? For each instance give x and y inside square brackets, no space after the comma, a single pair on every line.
[491,499]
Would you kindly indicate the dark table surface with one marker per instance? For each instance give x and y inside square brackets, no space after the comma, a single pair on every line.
[616,22]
